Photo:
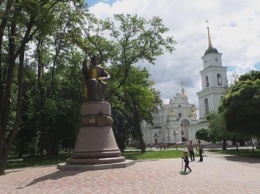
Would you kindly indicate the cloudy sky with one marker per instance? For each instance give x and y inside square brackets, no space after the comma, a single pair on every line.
[234,29]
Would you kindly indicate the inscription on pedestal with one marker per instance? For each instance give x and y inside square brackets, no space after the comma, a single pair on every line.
[99,120]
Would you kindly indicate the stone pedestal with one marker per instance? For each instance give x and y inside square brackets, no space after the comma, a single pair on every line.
[96,146]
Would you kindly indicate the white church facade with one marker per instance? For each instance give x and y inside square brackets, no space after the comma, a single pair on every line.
[177,121]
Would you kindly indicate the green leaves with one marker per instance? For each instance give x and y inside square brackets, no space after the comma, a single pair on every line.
[241,105]
[217,126]
[138,39]
[53,35]
[203,134]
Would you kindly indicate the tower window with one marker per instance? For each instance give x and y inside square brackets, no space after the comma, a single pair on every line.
[207,81]
[179,114]
[219,79]
[179,105]
[206,106]
[216,59]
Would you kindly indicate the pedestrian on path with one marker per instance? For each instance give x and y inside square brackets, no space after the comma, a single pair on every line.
[200,149]
[191,151]
[186,161]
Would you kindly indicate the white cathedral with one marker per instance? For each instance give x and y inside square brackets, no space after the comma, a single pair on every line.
[177,121]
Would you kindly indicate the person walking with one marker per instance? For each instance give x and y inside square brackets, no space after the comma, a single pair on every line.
[200,149]
[191,151]
[186,161]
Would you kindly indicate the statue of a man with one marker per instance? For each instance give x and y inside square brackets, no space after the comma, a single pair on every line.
[94,76]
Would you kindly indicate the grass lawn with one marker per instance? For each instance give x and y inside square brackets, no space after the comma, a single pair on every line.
[131,155]
[12,163]
[152,155]
[245,153]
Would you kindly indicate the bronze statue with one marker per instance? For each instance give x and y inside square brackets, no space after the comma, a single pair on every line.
[96,146]
[94,76]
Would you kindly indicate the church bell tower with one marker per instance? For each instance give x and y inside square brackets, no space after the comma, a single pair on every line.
[214,81]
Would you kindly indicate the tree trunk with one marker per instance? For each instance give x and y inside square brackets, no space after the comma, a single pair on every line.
[224,145]
[142,145]
[3,160]
[120,135]
[47,142]
[21,149]
[140,138]
[252,144]
[6,106]
[11,134]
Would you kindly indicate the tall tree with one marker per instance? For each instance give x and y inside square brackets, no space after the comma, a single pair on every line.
[18,33]
[123,42]
[136,40]
[55,48]
[217,127]
[135,100]
[241,105]
[21,21]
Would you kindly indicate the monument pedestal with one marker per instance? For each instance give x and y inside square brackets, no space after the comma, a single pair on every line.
[96,147]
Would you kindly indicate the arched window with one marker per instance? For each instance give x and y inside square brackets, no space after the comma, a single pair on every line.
[206,106]
[219,79]
[207,81]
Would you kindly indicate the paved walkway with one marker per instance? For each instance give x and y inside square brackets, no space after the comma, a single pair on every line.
[217,174]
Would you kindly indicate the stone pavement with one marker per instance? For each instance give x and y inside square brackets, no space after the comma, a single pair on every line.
[217,174]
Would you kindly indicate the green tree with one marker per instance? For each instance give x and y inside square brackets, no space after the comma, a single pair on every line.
[252,75]
[203,134]
[18,26]
[131,40]
[217,128]
[21,22]
[241,105]
[54,54]
[134,100]
[136,39]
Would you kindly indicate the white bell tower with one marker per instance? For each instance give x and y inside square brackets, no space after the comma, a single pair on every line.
[214,81]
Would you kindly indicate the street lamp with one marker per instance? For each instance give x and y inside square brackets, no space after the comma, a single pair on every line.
[175,134]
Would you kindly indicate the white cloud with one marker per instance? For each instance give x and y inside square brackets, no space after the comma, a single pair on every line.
[234,28]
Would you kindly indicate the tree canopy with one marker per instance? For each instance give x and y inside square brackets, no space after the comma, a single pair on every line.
[217,128]
[203,134]
[35,41]
[132,40]
[41,54]
[241,105]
